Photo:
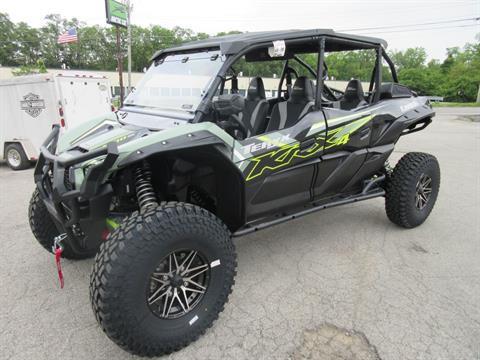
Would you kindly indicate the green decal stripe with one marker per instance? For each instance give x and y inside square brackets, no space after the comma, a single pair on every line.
[286,154]
[281,158]
[341,135]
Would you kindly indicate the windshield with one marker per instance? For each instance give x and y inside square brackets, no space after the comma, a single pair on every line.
[177,82]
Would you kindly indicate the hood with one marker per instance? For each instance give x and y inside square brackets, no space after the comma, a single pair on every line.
[130,138]
[121,127]
[108,132]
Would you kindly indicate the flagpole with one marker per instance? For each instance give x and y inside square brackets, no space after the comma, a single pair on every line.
[78,48]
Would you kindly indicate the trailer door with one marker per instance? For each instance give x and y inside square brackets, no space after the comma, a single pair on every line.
[83,98]
[28,111]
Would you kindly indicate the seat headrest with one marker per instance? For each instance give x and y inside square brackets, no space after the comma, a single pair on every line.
[354,90]
[256,90]
[302,90]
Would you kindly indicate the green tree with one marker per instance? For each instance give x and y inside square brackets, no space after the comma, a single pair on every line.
[412,58]
[346,65]
[30,69]
[7,47]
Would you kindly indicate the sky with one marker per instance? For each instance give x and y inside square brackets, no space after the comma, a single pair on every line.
[213,16]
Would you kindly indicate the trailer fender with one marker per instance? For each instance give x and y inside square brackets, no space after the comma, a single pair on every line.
[28,148]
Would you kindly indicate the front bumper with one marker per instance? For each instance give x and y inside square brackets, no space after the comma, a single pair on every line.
[79,212]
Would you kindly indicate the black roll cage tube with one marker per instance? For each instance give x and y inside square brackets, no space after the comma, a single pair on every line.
[203,107]
[320,66]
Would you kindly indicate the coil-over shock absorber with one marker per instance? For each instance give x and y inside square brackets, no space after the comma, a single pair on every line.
[143,186]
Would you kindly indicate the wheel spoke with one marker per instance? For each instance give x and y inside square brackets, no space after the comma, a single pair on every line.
[165,303]
[161,281]
[160,274]
[178,283]
[185,297]
[171,302]
[196,284]
[426,181]
[194,290]
[423,191]
[190,256]
[150,301]
[176,263]
[180,300]
[201,269]
[417,201]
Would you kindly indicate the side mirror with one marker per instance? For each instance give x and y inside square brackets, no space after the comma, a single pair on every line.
[229,104]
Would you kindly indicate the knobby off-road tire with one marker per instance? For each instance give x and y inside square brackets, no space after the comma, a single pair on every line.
[44,229]
[414,172]
[125,266]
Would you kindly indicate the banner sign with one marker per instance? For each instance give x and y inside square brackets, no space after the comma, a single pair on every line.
[116,13]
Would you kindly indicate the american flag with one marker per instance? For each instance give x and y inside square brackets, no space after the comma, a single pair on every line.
[67,37]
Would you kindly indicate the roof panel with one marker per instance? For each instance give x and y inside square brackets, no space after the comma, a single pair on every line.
[231,44]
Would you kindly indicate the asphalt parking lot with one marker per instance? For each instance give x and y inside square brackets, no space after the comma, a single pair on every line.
[344,283]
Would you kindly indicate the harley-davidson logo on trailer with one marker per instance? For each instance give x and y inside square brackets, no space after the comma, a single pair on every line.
[32,104]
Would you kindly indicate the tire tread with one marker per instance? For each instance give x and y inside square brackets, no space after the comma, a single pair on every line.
[399,187]
[141,228]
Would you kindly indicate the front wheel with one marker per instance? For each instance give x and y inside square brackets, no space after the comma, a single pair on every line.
[44,229]
[162,278]
[412,189]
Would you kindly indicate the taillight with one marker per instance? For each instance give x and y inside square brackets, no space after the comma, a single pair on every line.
[62,122]
[113,108]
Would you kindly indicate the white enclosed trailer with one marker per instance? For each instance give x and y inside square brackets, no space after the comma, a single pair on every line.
[30,105]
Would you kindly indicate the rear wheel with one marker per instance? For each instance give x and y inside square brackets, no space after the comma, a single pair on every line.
[16,158]
[44,229]
[162,278]
[412,189]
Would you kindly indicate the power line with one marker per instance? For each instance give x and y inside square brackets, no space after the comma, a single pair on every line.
[407,26]
[424,29]
[419,24]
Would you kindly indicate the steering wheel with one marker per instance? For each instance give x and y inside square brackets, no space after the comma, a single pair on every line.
[234,123]
[329,92]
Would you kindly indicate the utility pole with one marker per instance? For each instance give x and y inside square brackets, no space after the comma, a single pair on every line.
[129,35]
[120,65]
[478,95]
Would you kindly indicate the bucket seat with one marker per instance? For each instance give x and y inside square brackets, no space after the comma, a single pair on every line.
[300,102]
[254,115]
[353,96]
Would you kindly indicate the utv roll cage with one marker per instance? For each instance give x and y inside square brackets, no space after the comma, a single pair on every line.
[321,41]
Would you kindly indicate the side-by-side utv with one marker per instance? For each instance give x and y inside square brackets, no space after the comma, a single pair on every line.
[158,189]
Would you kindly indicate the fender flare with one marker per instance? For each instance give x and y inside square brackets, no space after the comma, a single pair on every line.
[213,152]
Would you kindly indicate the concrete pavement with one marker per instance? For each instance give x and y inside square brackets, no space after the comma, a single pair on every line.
[343,283]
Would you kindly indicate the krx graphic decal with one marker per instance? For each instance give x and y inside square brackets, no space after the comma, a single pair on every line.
[290,154]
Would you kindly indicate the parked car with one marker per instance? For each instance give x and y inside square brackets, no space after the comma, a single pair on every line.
[158,189]
[30,105]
